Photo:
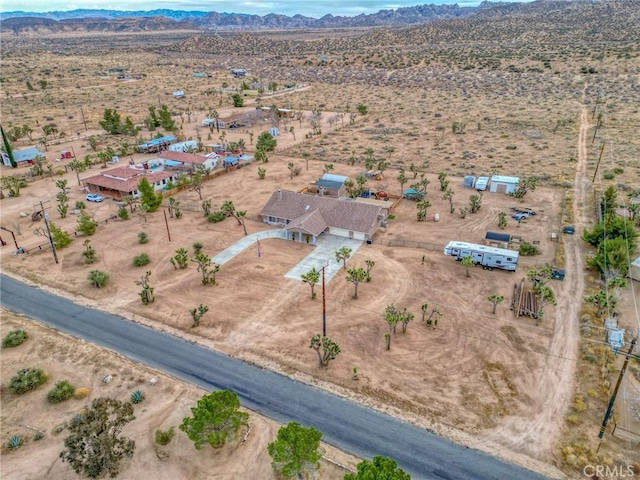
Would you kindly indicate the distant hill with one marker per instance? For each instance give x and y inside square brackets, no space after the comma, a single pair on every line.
[23,25]
[29,22]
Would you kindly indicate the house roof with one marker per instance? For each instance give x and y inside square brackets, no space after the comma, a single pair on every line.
[338,213]
[183,157]
[331,181]
[26,154]
[312,222]
[504,179]
[125,179]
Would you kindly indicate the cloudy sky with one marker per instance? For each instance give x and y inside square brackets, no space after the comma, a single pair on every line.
[309,8]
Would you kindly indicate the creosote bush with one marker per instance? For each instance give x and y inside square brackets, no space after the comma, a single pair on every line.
[62,391]
[141,260]
[14,338]
[26,380]
[163,437]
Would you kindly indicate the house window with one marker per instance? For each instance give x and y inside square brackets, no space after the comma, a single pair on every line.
[164,182]
[271,219]
[498,262]
[509,259]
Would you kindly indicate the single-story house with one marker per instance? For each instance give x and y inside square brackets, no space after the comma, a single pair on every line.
[157,144]
[306,217]
[634,270]
[232,121]
[178,94]
[188,146]
[189,158]
[332,185]
[503,184]
[25,156]
[124,180]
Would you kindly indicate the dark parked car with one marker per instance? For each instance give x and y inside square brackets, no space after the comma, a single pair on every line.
[558,274]
[570,229]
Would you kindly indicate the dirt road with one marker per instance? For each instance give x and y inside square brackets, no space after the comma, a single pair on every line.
[536,431]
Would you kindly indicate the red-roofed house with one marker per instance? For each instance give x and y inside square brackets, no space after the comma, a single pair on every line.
[124,180]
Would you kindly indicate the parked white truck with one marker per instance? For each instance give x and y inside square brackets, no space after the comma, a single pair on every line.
[488,257]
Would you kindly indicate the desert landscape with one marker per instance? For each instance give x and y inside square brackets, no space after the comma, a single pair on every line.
[531,392]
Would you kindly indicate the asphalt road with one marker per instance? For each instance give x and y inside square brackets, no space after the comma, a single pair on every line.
[345,424]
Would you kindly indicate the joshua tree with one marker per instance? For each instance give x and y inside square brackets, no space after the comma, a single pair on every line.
[433,322]
[206,268]
[343,255]
[444,183]
[197,313]
[422,207]
[181,259]
[402,180]
[146,295]
[311,277]
[467,262]
[495,300]
[448,195]
[475,202]
[370,264]
[502,220]
[306,156]
[356,276]
[330,349]
[291,166]
[424,307]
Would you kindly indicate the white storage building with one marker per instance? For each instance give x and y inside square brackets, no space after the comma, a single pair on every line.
[503,184]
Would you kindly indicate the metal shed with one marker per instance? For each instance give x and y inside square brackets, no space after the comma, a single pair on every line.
[500,239]
[503,184]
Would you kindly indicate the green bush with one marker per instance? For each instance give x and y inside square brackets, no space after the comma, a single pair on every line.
[123,213]
[143,237]
[215,217]
[61,392]
[163,437]
[197,247]
[38,436]
[141,260]
[98,278]
[26,380]
[14,338]
[528,249]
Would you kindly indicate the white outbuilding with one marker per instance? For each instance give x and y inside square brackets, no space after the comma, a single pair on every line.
[503,184]
[634,270]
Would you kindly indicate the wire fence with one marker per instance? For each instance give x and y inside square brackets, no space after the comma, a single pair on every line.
[625,434]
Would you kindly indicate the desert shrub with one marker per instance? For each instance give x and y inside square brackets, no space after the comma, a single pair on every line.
[609,175]
[123,213]
[82,392]
[591,358]
[579,405]
[197,247]
[62,391]
[98,278]
[141,260]
[143,237]
[163,437]
[38,436]
[137,397]
[529,249]
[27,379]
[14,338]
[573,419]
[215,217]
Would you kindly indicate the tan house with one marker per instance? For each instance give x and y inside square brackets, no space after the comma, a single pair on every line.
[306,217]
[124,180]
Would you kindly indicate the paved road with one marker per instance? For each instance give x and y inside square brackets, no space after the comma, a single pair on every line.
[345,424]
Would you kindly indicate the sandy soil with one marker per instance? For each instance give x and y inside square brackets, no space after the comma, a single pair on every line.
[481,379]
[166,404]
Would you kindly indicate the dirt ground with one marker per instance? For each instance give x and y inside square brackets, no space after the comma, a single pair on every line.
[166,403]
[481,379]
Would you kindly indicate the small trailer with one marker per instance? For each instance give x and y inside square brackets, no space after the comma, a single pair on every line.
[488,257]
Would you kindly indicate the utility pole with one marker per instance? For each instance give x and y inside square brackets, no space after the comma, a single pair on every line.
[83,118]
[615,390]
[14,237]
[45,216]
[167,224]
[598,164]
[324,306]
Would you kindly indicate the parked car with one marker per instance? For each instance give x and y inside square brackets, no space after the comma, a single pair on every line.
[521,215]
[570,229]
[94,197]
[558,274]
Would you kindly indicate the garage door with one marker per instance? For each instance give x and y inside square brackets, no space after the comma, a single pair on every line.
[501,188]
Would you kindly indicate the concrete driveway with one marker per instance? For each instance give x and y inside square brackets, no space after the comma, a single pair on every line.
[324,254]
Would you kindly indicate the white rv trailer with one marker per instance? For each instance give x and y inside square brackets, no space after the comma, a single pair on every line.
[488,257]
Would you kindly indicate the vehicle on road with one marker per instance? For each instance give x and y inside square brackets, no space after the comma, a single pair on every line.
[94,197]
[569,229]
[558,274]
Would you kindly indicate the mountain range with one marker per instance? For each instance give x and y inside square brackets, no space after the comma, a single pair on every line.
[162,19]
